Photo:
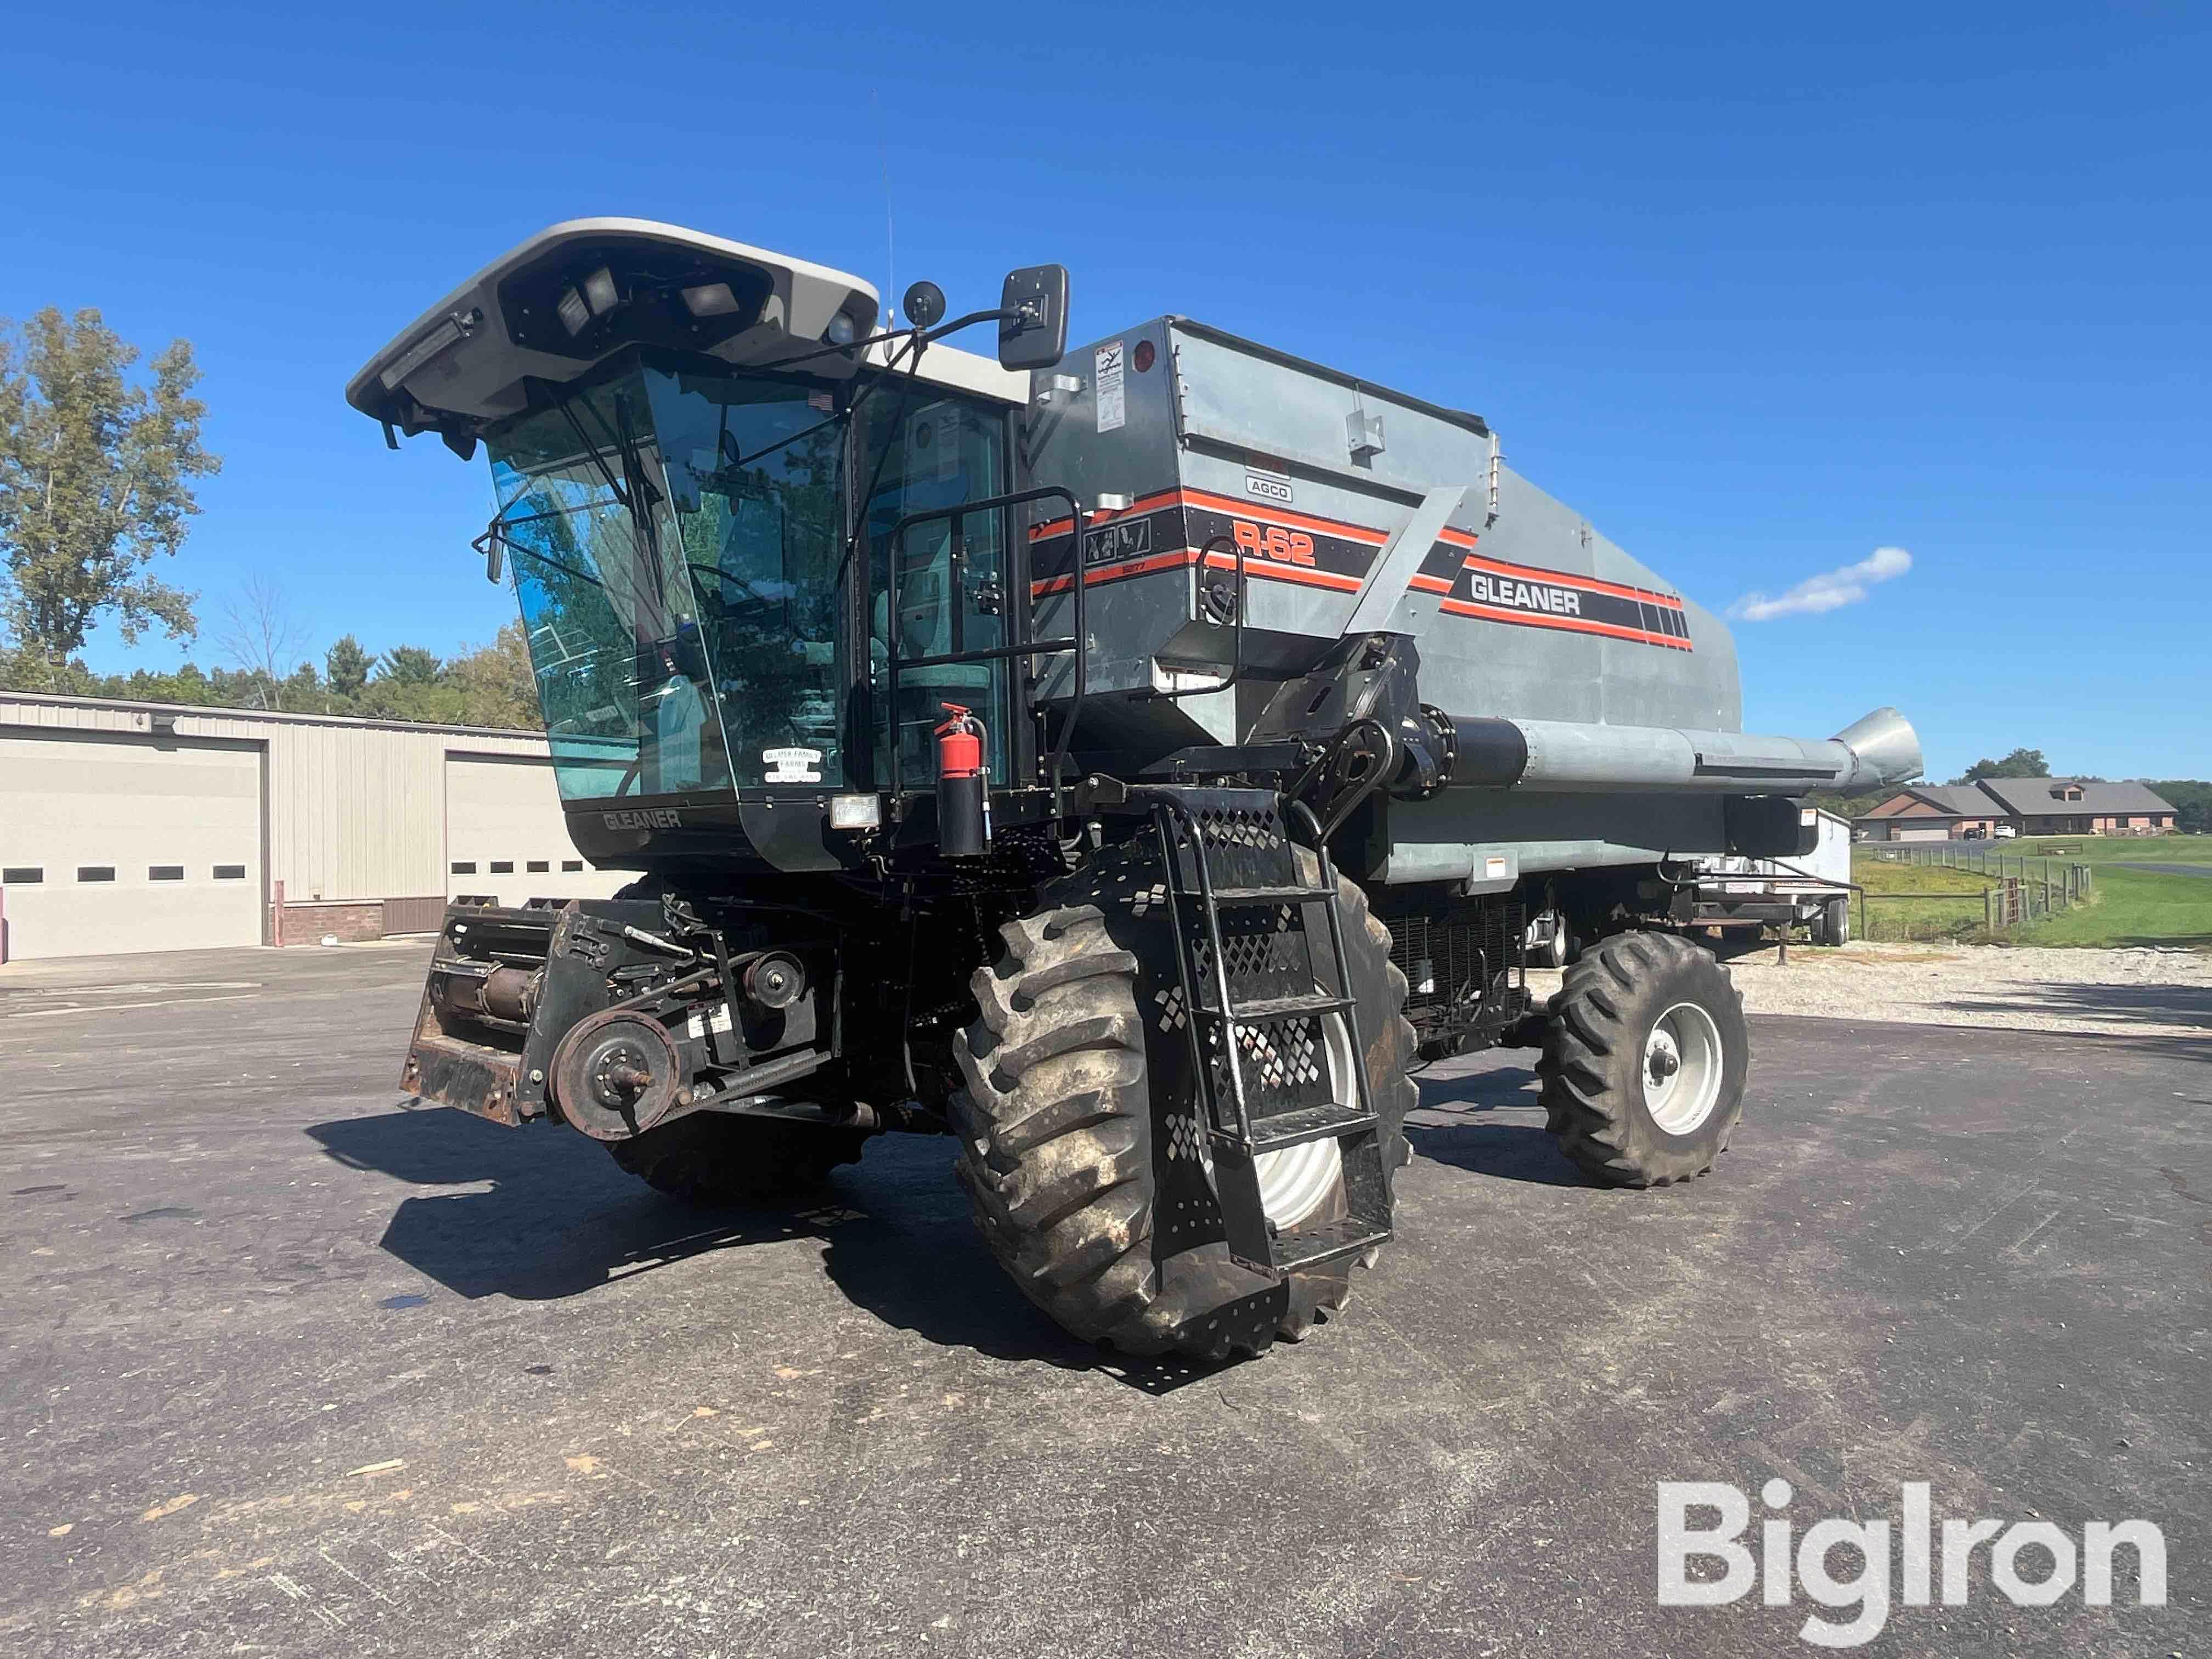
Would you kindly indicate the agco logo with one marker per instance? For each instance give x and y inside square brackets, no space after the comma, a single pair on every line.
[660,817]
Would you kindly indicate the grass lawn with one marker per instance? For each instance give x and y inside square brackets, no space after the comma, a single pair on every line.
[2110,849]
[2125,907]
[1943,904]
[2133,907]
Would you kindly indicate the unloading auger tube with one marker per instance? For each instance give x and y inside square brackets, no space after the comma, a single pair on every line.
[1487,752]
[1263,707]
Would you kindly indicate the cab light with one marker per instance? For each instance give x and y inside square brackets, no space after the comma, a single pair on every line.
[856,812]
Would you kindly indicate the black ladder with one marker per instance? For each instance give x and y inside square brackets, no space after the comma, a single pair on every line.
[1221,1095]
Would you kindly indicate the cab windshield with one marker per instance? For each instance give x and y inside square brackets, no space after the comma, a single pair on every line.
[677,544]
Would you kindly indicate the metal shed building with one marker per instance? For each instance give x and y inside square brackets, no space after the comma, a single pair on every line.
[127,826]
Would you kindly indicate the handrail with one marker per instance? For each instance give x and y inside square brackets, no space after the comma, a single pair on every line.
[1236,639]
[895,663]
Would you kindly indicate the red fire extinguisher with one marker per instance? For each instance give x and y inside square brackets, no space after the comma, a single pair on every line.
[964,787]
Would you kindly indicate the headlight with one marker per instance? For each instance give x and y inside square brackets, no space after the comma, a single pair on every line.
[856,812]
[841,330]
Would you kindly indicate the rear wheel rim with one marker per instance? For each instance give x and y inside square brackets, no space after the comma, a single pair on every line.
[1683,1064]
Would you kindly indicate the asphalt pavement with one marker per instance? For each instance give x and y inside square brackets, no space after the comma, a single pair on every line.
[293,1366]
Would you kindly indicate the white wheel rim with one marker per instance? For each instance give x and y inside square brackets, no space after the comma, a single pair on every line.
[1299,1180]
[1682,1067]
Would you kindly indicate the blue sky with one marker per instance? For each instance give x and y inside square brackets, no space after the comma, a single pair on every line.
[1758,289]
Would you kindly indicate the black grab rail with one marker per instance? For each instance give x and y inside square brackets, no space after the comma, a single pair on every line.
[1022,610]
[1236,636]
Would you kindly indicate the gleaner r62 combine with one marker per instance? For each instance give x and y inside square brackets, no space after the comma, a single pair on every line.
[1130,761]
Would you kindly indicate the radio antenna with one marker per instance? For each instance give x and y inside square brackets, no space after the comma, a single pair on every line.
[891,243]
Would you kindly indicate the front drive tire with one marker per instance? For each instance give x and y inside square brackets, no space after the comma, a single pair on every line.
[1059,1139]
[1645,1059]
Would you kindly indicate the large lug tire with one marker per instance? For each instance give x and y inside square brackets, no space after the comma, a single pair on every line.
[721,1159]
[1062,1145]
[1645,1058]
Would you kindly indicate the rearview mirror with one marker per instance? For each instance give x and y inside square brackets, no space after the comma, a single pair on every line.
[1035,336]
[493,546]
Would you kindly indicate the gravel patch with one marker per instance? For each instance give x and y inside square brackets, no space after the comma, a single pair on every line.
[2134,992]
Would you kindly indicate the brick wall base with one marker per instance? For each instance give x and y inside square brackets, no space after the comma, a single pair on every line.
[308,923]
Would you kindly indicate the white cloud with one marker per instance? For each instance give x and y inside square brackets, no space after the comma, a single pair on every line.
[1829,590]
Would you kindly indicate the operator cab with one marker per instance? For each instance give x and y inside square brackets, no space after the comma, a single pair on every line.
[700,452]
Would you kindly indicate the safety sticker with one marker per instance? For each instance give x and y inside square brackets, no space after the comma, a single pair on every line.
[701,1022]
[1112,406]
[793,765]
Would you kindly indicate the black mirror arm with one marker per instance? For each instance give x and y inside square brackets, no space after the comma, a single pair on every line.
[996,314]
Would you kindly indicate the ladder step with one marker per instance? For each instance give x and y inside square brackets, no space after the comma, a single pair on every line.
[1326,1242]
[1273,1135]
[1313,1002]
[1265,895]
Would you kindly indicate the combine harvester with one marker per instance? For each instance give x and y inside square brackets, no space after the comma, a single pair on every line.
[1127,760]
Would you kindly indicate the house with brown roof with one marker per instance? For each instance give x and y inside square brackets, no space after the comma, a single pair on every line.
[2030,807]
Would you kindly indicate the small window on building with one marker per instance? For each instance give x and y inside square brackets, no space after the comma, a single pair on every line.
[95,872]
[502,866]
[165,872]
[537,864]
[230,872]
[21,875]
[466,867]
[572,865]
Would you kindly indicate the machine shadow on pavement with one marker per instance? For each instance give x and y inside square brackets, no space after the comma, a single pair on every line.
[1487,1122]
[2143,1005]
[550,1217]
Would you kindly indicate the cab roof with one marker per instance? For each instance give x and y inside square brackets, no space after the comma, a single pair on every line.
[553,307]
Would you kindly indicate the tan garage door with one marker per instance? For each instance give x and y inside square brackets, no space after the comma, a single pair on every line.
[504,837]
[1936,833]
[110,843]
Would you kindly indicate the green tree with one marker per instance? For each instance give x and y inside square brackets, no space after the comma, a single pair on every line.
[2191,798]
[497,685]
[345,667]
[95,481]
[2020,764]
[410,664]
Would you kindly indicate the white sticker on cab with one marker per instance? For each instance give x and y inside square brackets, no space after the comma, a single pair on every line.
[793,765]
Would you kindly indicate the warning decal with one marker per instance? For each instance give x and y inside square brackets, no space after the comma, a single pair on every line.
[1112,406]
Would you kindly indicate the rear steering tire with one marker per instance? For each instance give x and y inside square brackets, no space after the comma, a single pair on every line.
[1646,1057]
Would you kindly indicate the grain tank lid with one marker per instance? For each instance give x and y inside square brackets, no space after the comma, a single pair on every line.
[552,308]
[1459,417]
